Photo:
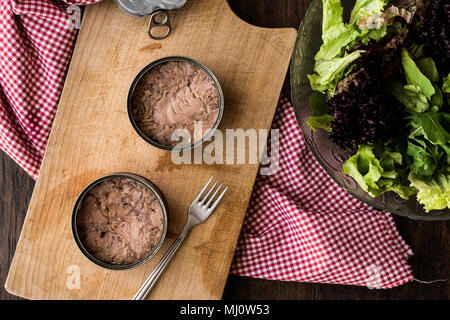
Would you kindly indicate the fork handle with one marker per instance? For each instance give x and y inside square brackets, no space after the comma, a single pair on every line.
[156,273]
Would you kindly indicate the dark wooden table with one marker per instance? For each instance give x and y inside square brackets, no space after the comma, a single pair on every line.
[430,241]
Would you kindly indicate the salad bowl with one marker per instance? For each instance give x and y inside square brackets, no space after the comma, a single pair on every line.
[329,155]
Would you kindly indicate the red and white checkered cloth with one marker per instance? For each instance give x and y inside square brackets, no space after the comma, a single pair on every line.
[36,44]
[300,225]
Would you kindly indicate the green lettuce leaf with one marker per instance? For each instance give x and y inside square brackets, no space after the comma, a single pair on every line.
[434,193]
[320,117]
[329,72]
[375,34]
[415,51]
[320,122]
[366,15]
[437,99]
[446,88]
[403,191]
[414,76]
[332,20]
[377,172]
[411,96]
[318,104]
[424,163]
[373,17]
[335,47]
[331,59]
[428,68]
[366,9]
[433,126]
[446,84]
[336,35]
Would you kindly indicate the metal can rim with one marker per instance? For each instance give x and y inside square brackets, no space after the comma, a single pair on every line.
[150,186]
[151,65]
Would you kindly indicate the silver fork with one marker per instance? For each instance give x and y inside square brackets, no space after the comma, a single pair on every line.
[198,212]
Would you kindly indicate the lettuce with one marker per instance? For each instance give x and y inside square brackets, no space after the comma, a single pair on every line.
[377,171]
[411,96]
[373,17]
[318,103]
[429,147]
[414,76]
[446,87]
[320,117]
[329,72]
[417,160]
[437,99]
[428,68]
[423,161]
[434,194]
[320,122]
[331,60]
[336,35]
[334,47]
[433,126]
[366,9]
[446,84]
[422,92]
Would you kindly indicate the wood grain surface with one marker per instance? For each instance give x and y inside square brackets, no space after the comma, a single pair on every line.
[429,240]
[92,136]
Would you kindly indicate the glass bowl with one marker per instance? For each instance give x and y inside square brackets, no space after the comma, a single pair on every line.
[329,155]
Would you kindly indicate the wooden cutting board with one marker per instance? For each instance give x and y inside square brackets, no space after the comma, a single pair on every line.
[92,136]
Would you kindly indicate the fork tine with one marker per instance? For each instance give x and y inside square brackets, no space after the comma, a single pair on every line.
[209,192]
[212,197]
[203,189]
[218,199]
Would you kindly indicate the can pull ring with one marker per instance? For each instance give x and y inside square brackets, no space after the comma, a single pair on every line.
[159,25]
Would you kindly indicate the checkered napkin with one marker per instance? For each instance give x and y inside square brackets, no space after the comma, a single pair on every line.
[36,43]
[300,225]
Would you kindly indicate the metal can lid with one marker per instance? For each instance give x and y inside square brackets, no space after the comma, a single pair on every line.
[141,8]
